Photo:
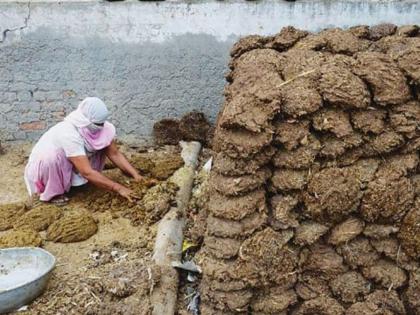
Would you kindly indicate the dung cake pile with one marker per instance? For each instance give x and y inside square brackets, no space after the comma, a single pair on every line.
[315,189]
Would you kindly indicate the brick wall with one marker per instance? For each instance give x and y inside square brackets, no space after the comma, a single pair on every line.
[146,60]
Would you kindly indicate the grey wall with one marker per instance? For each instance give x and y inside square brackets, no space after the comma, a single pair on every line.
[146,60]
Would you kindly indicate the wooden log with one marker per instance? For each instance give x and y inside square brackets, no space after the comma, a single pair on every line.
[168,244]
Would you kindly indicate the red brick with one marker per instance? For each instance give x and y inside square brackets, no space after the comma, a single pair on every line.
[34,125]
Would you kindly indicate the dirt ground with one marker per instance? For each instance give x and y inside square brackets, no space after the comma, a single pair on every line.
[12,187]
[111,271]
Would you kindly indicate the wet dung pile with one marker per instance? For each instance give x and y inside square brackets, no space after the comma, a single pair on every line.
[193,126]
[11,213]
[314,194]
[20,238]
[160,168]
[39,218]
[62,224]
[155,194]
[74,226]
[153,203]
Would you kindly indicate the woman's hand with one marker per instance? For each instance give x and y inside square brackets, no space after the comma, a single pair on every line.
[83,166]
[120,160]
[127,193]
[123,164]
[138,178]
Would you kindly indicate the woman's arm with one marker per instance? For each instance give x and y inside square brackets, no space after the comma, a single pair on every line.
[121,161]
[81,163]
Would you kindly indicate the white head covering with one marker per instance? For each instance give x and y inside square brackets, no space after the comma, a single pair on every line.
[90,111]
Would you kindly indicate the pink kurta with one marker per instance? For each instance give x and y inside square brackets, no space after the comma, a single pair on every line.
[49,172]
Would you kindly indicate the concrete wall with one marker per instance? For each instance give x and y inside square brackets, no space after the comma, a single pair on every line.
[147,60]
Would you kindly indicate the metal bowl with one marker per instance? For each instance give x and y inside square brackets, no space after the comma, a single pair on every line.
[24,274]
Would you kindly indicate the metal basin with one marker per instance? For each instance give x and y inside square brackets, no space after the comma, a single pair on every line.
[24,274]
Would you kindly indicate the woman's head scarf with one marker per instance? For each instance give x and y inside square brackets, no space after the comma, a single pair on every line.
[90,119]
